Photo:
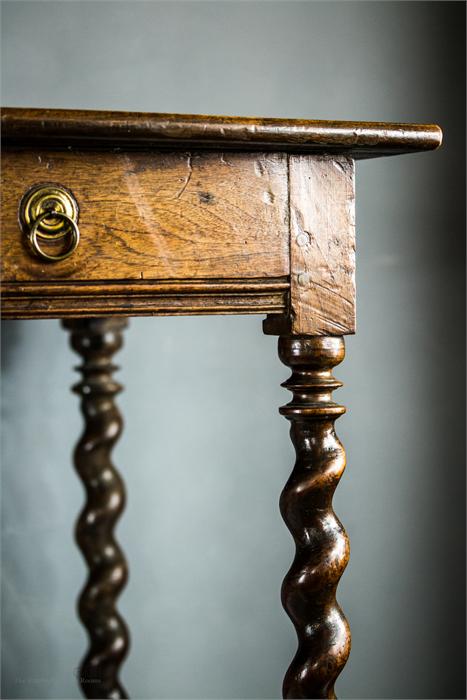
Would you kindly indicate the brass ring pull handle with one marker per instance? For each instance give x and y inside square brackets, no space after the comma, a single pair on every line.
[34,234]
[49,212]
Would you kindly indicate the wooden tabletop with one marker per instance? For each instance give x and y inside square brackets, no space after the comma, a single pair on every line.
[88,128]
[188,214]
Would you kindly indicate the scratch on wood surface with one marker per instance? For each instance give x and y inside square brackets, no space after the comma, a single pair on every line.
[330,327]
[330,290]
[259,168]
[187,179]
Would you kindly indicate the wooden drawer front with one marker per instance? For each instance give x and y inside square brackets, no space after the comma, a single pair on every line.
[155,216]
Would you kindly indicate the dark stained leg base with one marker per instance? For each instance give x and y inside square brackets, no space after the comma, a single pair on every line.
[96,340]
[322,546]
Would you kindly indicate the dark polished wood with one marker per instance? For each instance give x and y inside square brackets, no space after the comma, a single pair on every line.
[96,340]
[89,128]
[322,546]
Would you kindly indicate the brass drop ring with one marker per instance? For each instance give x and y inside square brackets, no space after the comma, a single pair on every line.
[72,230]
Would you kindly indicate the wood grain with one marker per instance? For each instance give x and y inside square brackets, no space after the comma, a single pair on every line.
[89,129]
[155,215]
[322,245]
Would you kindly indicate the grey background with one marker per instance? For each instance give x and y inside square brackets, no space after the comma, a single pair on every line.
[205,453]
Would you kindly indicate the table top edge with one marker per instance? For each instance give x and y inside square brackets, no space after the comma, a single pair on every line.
[115,129]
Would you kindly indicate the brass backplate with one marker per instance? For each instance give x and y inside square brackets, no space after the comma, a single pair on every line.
[48,197]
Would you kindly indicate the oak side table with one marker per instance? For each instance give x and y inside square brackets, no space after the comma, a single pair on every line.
[108,215]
